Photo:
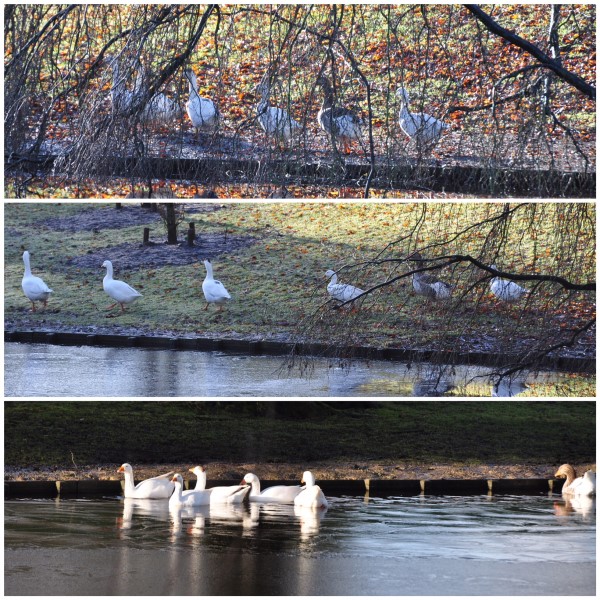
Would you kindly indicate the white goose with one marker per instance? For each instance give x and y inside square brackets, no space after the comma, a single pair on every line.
[283,494]
[577,486]
[150,489]
[421,127]
[202,112]
[339,122]
[506,290]
[121,98]
[312,496]
[428,285]
[232,494]
[160,110]
[214,290]
[118,290]
[275,122]
[34,287]
[189,497]
[341,291]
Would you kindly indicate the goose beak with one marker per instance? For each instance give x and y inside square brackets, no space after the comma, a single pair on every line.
[120,470]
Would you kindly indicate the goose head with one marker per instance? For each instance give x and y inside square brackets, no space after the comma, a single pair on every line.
[308,478]
[125,468]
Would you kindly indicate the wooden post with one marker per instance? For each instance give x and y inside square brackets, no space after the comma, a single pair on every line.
[146,236]
[119,205]
[191,235]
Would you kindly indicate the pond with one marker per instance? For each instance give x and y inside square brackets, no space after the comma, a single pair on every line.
[425,545]
[52,370]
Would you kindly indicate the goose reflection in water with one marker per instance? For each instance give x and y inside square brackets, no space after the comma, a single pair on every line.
[132,507]
[581,505]
[310,520]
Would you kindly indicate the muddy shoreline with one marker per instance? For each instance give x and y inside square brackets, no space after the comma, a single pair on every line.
[361,469]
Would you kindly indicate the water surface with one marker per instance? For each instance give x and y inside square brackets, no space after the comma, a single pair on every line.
[50,370]
[501,545]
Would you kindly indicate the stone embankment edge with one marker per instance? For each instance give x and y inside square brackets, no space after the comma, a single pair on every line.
[86,488]
[274,348]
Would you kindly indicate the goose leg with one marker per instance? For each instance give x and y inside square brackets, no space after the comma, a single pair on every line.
[206,307]
[111,306]
[32,306]
[122,307]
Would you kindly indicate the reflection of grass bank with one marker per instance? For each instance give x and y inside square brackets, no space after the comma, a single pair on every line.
[52,433]
[279,278]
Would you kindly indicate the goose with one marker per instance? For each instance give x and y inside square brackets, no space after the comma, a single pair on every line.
[34,287]
[118,290]
[506,290]
[189,497]
[233,494]
[312,496]
[275,122]
[121,98]
[577,486]
[283,494]
[150,489]
[429,286]
[337,121]
[202,112]
[160,110]
[341,291]
[421,127]
[214,290]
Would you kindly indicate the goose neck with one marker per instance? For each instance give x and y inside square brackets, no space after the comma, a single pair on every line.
[26,261]
[201,480]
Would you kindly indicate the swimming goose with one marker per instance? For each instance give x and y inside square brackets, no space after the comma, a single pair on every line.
[154,488]
[339,122]
[341,291]
[189,497]
[506,290]
[202,112]
[118,290]
[312,496]
[427,285]
[233,494]
[421,127]
[283,494]
[214,290]
[34,287]
[275,122]
[577,486]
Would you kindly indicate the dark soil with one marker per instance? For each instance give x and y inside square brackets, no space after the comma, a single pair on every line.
[116,218]
[137,256]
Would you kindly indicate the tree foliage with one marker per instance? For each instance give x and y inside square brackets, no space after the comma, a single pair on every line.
[513,82]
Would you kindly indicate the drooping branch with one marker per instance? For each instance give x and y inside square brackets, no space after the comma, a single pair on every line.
[542,57]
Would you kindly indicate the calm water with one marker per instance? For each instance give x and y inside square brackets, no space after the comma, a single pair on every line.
[399,546]
[48,370]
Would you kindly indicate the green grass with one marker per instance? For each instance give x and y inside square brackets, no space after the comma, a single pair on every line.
[279,279]
[46,433]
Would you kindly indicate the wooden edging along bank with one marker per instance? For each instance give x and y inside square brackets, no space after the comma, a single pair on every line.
[86,488]
[274,348]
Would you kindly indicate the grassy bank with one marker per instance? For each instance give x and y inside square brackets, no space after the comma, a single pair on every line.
[273,257]
[59,433]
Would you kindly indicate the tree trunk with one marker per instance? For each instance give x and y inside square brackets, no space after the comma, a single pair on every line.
[171,224]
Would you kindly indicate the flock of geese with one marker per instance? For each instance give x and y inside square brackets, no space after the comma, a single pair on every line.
[170,486]
[424,284]
[340,123]
[309,495]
